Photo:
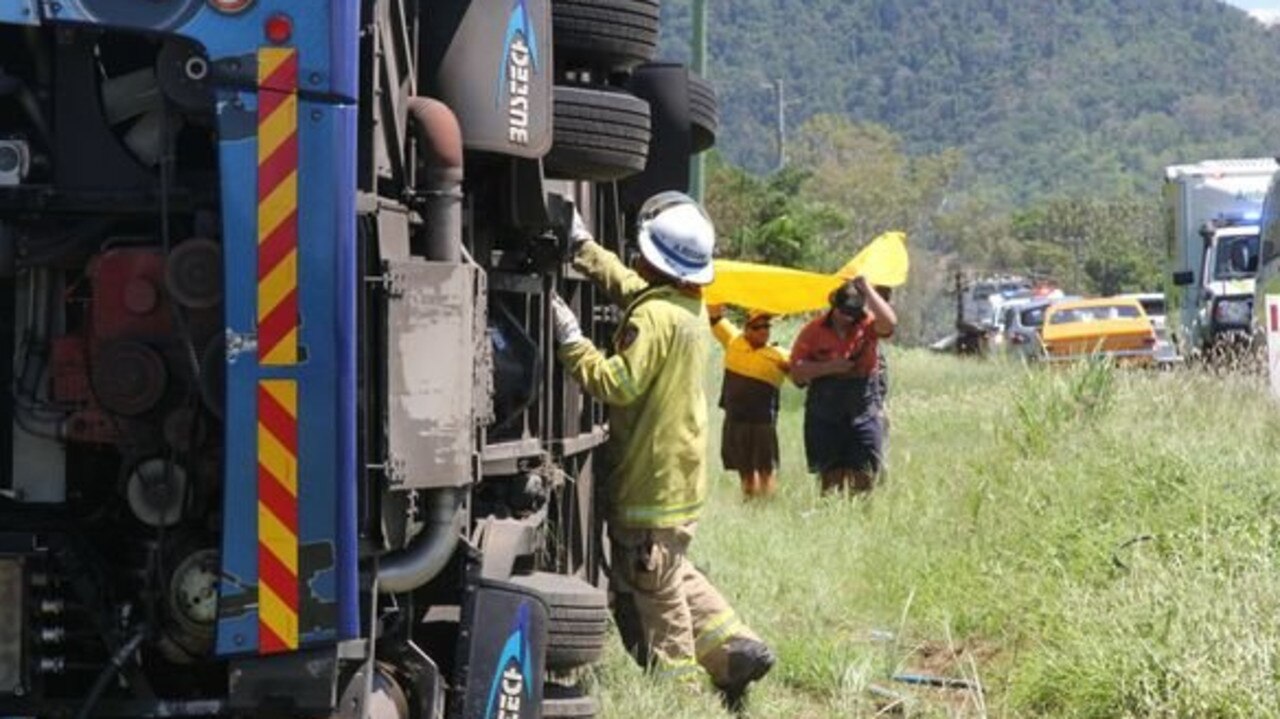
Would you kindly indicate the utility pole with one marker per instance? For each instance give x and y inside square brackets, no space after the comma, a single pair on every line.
[1076,240]
[699,66]
[781,121]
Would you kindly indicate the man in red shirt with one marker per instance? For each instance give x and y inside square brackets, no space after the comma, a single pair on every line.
[836,357]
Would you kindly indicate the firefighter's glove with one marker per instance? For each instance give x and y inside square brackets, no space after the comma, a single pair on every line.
[578,233]
[565,323]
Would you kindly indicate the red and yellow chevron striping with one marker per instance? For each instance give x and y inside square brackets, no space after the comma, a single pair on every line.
[277,206]
[277,516]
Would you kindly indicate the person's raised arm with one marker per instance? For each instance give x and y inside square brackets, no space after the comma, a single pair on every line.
[886,320]
[619,282]
[724,330]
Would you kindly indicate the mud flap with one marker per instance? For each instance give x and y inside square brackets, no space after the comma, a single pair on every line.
[303,682]
[502,652]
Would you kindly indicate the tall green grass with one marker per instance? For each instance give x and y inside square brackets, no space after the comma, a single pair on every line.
[1080,542]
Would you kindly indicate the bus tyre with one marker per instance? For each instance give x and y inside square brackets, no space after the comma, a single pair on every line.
[606,34]
[578,625]
[704,113]
[599,135]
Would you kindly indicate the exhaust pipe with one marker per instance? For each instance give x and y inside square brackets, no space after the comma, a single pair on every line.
[439,195]
[440,186]
[429,551]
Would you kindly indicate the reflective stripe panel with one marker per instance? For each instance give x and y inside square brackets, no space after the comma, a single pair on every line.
[721,629]
[278,206]
[278,589]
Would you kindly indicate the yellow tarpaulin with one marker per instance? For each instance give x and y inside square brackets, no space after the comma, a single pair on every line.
[776,290]
[883,262]
[784,291]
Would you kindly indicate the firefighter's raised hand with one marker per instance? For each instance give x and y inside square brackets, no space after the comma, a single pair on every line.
[564,322]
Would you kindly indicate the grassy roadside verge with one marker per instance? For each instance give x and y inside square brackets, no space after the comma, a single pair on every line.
[1082,543]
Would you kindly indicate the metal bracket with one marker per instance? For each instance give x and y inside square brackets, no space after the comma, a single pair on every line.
[396,470]
[239,343]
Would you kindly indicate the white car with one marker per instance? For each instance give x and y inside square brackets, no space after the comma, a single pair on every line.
[1153,303]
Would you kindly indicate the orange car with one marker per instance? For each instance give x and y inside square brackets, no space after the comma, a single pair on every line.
[1113,327]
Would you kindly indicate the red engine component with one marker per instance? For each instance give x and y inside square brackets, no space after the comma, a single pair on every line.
[119,367]
[93,426]
[70,371]
[129,300]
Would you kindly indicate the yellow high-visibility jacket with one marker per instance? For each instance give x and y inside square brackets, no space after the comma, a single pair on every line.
[653,385]
[766,364]
[752,376]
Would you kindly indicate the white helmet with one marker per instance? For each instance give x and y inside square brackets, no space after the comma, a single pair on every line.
[677,237]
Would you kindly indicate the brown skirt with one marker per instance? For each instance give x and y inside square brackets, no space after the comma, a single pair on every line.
[749,446]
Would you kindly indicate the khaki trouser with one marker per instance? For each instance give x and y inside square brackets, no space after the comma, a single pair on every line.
[669,615]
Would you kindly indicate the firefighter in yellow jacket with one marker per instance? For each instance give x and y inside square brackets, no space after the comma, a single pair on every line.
[670,616]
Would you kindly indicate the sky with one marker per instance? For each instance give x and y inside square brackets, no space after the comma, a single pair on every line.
[1268,11]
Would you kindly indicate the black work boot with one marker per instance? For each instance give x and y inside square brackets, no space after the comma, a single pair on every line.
[749,661]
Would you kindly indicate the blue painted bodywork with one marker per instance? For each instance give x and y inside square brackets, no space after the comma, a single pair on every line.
[19,12]
[325,33]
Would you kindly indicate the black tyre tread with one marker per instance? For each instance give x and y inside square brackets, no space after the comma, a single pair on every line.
[598,135]
[573,113]
[701,89]
[629,149]
[577,641]
[594,629]
[601,167]
[561,659]
[632,13]
[618,34]
[634,40]
[575,100]
[606,23]
[704,113]
[560,590]
[578,627]
[579,614]
[634,133]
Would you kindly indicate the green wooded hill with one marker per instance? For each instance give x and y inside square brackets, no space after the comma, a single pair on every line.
[1044,97]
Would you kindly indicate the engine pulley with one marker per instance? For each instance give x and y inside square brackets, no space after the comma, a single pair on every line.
[192,606]
[129,378]
[194,273]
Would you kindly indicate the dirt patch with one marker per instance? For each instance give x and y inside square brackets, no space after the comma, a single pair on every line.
[959,668]
[956,661]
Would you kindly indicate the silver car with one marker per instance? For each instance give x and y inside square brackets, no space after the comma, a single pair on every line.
[1022,327]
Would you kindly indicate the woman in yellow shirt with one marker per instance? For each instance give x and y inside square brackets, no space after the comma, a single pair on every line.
[753,373]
